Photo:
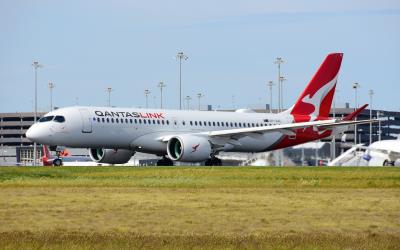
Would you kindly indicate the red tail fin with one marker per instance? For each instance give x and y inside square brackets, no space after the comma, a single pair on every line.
[315,101]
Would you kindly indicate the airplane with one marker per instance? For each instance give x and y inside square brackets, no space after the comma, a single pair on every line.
[114,134]
[383,153]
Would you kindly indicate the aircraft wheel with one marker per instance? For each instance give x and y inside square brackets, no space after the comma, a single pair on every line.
[165,162]
[388,163]
[213,162]
[57,162]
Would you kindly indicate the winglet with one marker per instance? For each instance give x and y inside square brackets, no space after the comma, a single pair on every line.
[351,116]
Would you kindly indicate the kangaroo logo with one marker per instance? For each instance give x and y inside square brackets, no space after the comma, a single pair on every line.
[316,99]
[194,148]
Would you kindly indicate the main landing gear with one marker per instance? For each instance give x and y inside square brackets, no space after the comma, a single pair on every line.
[213,161]
[165,162]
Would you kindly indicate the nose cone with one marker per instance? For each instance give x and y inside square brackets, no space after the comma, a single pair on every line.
[38,134]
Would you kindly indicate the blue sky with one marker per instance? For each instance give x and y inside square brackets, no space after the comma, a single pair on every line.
[87,46]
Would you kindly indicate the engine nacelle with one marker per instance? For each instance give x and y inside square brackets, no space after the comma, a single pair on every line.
[188,148]
[110,156]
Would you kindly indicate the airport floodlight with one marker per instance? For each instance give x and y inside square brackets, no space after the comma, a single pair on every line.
[370,93]
[35,65]
[270,84]
[279,61]
[282,78]
[161,85]
[109,90]
[146,93]
[180,56]
[188,98]
[199,96]
[51,87]
[356,86]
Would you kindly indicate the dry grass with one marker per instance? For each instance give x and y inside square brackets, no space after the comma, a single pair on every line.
[114,208]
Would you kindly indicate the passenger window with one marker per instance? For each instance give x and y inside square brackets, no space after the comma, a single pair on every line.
[214,124]
[61,119]
[98,119]
[130,120]
[162,122]
[209,123]
[158,121]
[144,121]
[235,124]
[199,123]
[116,120]
[112,120]
[244,125]
[191,123]
[231,124]
[140,121]
[195,123]
[102,119]
[108,120]
[183,122]
[154,122]
[167,122]
[218,124]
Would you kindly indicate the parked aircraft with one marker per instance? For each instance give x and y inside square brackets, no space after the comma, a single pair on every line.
[114,134]
[383,153]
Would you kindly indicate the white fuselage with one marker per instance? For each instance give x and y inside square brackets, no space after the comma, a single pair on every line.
[143,129]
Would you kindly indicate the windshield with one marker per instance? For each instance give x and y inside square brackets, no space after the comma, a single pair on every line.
[46,118]
[59,118]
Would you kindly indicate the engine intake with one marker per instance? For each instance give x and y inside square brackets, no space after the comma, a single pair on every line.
[188,148]
[110,156]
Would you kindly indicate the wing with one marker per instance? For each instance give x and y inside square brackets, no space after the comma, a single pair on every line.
[288,129]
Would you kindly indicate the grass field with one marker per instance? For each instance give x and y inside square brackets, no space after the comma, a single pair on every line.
[199,208]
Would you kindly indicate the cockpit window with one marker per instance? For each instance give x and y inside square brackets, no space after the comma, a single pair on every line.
[59,118]
[46,118]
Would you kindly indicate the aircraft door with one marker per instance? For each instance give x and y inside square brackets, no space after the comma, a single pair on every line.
[86,121]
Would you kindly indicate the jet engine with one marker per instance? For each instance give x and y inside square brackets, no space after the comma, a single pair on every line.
[188,148]
[110,156]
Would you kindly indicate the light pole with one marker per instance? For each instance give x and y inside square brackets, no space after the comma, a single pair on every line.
[188,98]
[279,61]
[333,143]
[356,86]
[146,93]
[282,80]
[51,87]
[161,85]
[379,125]
[370,93]
[181,56]
[199,96]
[270,84]
[109,90]
[35,65]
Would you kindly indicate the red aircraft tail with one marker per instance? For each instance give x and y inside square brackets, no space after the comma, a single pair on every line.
[315,101]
